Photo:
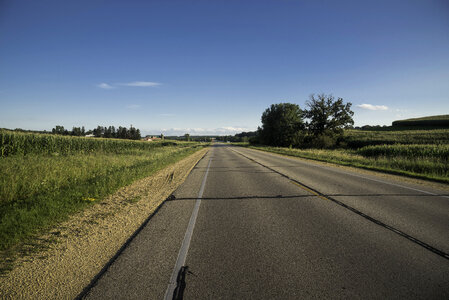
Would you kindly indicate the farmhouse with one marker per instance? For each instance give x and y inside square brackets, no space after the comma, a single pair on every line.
[149,138]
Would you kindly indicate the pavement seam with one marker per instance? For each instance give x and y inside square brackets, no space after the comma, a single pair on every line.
[173,286]
[292,158]
[356,211]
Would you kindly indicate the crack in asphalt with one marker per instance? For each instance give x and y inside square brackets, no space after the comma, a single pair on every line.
[358,212]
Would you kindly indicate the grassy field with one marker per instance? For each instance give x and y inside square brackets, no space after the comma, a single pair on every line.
[441,121]
[46,178]
[17,143]
[414,153]
[355,139]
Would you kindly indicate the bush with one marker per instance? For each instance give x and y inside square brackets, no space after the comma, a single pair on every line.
[322,141]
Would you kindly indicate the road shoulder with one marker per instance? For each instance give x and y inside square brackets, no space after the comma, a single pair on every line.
[86,242]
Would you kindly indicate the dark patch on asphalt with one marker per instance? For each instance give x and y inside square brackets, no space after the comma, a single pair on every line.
[243,197]
[178,293]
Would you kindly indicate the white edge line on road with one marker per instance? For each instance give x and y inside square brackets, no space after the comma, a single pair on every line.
[354,175]
[180,261]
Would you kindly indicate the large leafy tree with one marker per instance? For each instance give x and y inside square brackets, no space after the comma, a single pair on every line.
[282,125]
[327,116]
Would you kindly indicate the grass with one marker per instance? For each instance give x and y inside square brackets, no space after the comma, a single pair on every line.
[414,153]
[355,139]
[41,188]
[438,117]
[18,143]
[424,168]
[433,121]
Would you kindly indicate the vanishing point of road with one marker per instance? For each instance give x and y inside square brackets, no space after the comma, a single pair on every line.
[253,225]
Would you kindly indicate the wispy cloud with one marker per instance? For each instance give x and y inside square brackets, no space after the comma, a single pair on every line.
[105,86]
[108,86]
[167,115]
[373,107]
[227,130]
[133,106]
[141,83]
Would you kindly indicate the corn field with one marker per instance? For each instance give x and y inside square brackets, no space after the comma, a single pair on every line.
[45,178]
[17,143]
[355,139]
[439,152]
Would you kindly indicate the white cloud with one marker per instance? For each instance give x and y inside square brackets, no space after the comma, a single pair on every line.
[141,83]
[373,107]
[231,129]
[105,86]
[227,130]
[167,115]
[133,106]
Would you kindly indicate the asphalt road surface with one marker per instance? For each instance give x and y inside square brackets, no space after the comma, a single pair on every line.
[254,225]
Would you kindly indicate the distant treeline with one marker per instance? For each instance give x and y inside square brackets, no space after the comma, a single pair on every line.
[239,137]
[101,131]
[192,138]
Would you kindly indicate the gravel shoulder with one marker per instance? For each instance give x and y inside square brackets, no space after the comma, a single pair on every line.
[85,243]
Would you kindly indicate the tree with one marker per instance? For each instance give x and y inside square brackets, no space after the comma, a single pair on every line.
[58,130]
[137,135]
[282,125]
[121,132]
[187,137]
[76,131]
[107,132]
[327,116]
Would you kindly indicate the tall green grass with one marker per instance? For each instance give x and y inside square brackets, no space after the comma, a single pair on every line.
[433,167]
[439,152]
[415,153]
[44,178]
[18,143]
[355,139]
[431,121]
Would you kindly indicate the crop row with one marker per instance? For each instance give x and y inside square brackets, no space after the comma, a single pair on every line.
[355,139]
[434,121]
[17,143]
[440,152]
[39,190]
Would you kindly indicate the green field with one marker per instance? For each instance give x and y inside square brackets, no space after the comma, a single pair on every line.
[441,121]
[414,153]
[355,139]
[46,178]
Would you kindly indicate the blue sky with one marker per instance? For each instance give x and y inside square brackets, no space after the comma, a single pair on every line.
[213,67]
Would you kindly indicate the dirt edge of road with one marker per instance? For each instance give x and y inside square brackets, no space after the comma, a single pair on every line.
[89,239]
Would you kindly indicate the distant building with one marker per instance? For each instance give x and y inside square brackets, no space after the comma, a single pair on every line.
[150,138]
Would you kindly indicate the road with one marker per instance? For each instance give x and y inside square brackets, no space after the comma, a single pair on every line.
[255,225]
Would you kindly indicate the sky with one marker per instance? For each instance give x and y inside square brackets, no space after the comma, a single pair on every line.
[212,67]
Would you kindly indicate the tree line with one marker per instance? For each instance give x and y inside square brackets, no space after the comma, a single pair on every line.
[101,131]
[320,125]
